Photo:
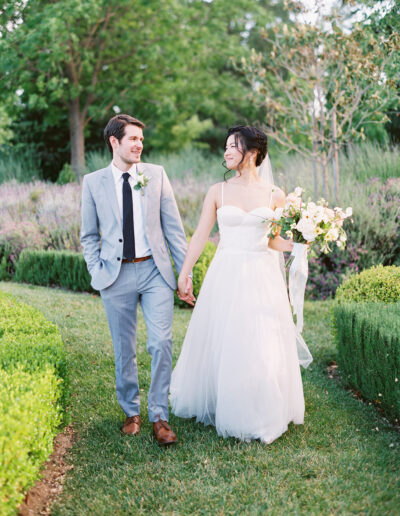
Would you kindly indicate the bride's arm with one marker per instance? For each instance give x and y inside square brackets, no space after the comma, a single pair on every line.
[278,243]
[198,241]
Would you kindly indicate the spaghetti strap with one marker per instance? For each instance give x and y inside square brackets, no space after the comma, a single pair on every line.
[270,199]
[222,194]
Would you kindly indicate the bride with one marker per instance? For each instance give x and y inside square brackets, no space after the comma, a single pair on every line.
[239,366]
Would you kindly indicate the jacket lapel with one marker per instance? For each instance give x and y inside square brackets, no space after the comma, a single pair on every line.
[109,185]
[141,167]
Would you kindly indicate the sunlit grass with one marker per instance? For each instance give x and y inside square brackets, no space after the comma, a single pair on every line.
[344,460]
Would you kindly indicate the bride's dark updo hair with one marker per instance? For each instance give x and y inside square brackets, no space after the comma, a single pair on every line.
[250,138]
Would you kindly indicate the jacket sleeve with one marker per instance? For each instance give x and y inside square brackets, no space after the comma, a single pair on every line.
[90,235]
[171,223]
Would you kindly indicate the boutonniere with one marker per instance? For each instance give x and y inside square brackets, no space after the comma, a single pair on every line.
[142,182]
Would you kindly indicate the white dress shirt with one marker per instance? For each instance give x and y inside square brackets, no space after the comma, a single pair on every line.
[142,247]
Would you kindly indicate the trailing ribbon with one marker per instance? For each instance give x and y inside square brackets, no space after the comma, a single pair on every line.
[298,274]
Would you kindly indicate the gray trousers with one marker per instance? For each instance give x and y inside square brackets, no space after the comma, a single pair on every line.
[141,282]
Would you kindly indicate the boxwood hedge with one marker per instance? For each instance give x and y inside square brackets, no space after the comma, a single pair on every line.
[368,339]
[33,393]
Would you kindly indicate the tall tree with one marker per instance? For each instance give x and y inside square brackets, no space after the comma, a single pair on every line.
[61,51]
[320,86]
[165,60]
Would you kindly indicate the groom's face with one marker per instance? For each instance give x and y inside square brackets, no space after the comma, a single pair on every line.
[129,148]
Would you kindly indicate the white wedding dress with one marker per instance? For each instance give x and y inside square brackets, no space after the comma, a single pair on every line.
[238,368]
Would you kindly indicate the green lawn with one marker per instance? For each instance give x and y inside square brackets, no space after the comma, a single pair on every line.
[344,460]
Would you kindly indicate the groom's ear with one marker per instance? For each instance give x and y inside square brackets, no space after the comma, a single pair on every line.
[113,141]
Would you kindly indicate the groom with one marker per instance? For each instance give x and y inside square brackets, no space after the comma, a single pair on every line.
[130,223]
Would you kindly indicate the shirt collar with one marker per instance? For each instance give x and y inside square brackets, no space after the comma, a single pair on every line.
[117,173]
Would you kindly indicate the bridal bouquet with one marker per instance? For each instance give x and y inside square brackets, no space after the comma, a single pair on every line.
[312,223]
[307,223]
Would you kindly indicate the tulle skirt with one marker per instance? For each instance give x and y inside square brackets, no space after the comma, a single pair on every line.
[238,369]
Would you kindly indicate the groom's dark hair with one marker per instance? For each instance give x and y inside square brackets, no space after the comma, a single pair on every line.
[116,127]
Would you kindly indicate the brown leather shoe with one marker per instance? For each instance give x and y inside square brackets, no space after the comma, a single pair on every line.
[163,433]
[132,425]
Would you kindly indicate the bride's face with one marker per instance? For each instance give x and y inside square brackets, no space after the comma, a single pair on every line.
[233,154]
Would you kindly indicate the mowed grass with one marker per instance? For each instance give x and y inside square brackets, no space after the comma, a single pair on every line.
[344,460]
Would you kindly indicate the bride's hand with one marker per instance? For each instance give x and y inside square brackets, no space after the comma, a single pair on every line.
[185,290]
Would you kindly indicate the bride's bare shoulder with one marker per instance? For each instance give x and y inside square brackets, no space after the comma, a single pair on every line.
[278,195]
[214,192]
[278,192]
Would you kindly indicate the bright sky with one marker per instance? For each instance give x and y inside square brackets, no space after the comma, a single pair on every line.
[327,5]
[313,5]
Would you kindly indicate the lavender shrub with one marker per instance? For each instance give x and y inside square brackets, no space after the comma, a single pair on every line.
[45,216]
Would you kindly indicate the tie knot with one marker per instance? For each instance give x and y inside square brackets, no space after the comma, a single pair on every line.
[126,176]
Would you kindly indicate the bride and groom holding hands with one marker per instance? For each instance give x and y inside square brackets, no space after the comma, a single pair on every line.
[239,368]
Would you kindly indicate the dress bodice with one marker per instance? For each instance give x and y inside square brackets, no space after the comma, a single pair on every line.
[244,230]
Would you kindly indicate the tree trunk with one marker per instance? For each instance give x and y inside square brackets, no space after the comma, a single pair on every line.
[77,138]
[335,159]
[314,144]
[325,186]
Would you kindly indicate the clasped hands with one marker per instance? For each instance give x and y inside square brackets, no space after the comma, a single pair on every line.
[185,290]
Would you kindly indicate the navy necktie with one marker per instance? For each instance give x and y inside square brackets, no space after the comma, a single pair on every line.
[127,219]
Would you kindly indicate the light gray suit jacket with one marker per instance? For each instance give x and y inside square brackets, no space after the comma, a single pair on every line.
[101,231]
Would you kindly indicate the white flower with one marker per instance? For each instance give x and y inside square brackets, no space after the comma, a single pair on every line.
[332,235]
[348,212]
[307,229]
[293,200]
[298,191]
[141,182]
[277,215]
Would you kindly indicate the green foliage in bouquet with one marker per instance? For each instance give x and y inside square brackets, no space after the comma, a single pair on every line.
[48,268]
[33,393]
[375,284]
[368,340]
[199,271]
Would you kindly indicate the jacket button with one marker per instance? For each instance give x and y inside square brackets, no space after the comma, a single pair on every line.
[120,240]
[118,258]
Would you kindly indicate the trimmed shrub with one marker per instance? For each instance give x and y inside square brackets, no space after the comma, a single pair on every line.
[6,261]
[374,284]
[66,175]
[68,270]
[33,391]
[29,416]
[199,271]
[28,340]
[53,268]
[368,339]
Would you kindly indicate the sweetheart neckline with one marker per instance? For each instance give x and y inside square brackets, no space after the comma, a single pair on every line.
[244,211]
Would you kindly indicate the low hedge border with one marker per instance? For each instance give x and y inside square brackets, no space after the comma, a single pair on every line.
[33,394]
[368,339]
[29,417]
[53,268]
[68,269]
